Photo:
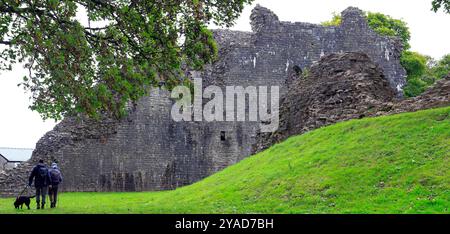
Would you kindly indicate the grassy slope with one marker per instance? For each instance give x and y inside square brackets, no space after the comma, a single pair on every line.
[394,164]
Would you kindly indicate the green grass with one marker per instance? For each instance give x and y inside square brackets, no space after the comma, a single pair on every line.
[393,164]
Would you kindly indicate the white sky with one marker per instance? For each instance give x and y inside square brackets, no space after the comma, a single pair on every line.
[20,127]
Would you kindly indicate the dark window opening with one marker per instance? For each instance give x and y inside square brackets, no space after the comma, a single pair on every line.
[222,136]
[297,70]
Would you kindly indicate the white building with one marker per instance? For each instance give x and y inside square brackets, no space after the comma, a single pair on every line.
[10,157]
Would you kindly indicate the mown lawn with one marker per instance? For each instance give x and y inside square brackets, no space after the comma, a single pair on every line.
[393,164]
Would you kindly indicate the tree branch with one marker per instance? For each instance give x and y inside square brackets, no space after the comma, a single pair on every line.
[20,10]
[97,28]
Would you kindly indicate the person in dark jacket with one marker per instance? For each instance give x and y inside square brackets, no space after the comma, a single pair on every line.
[55,177]
[41,182]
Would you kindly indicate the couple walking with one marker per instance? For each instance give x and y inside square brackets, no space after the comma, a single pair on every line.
[45,180]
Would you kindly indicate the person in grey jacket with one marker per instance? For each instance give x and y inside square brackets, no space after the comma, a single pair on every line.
[55,177]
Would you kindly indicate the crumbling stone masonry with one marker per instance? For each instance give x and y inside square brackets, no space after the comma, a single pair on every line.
[149,151]
[339,87]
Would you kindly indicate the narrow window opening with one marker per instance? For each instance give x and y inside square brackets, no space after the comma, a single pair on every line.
[297,70]
[222,136]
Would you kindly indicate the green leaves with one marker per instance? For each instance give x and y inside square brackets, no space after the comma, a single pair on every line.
[200,47]
[414,63]
[422,71]
[438,4]
[386,25]
[442,67]
[335,21]
[97,67]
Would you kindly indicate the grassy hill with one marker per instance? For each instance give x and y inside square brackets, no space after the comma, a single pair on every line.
[393,164]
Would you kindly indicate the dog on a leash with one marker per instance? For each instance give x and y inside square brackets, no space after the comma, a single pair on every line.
[20,200]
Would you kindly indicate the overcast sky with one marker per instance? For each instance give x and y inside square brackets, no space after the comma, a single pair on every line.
[20,127]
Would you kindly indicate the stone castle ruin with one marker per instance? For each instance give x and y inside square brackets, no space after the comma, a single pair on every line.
[149,151]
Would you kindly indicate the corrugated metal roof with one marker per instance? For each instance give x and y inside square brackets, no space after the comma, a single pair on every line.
[16,154]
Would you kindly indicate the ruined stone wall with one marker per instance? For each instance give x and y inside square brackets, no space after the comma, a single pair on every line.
[2,163]
[149,151]
[301,44]
[339,87]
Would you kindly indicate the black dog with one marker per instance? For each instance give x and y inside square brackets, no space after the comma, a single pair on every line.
[22,200]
